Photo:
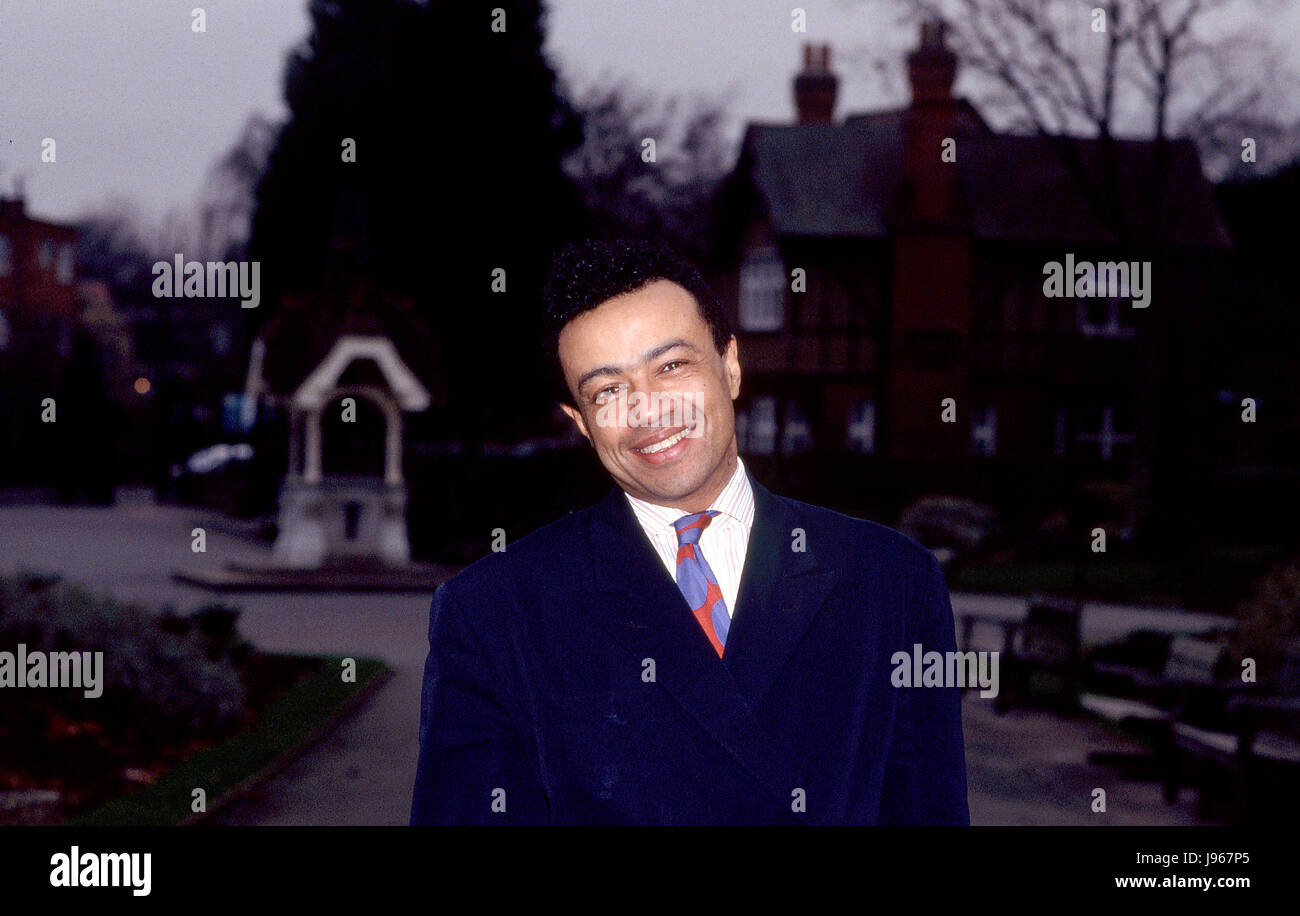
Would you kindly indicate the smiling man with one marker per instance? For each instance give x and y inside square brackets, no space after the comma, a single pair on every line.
[694,649]
[654,345]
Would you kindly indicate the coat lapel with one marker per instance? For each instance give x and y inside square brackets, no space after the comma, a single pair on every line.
[638,603]
[781,590]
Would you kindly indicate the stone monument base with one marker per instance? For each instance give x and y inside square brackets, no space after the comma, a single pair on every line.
[343,518]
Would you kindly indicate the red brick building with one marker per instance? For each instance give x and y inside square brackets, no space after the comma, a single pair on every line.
[880,264]
[37,290]
[38,319]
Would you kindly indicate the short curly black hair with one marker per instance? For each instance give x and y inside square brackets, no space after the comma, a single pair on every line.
[587,274]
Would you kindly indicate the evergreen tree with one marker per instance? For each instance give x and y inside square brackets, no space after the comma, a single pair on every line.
[459,133]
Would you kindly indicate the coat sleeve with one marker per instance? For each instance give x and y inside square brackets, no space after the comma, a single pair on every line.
[925,780]
[476,764]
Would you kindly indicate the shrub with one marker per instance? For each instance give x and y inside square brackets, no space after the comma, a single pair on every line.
[165,677]
[1269,618]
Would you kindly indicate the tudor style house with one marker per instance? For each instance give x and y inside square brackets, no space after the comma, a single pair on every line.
[882,263]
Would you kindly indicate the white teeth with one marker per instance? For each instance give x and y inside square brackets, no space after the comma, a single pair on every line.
[660,446]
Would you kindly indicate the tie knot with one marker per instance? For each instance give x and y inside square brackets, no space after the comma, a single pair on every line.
[690,527]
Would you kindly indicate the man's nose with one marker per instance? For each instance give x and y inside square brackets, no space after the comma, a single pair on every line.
[658,407]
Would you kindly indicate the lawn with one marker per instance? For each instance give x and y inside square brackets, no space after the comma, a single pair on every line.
[290,721]
[182,703]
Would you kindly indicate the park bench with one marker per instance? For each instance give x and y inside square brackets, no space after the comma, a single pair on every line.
[1045,641]
[1255,751]
[1146,701]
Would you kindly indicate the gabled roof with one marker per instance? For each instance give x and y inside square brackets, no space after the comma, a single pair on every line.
[842,181]
[316,389]
[312,340]
[825,179]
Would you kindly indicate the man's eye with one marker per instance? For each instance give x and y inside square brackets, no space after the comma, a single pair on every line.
[676,362]
[599,395]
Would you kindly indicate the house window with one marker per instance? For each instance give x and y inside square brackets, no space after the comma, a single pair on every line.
[63,268]
[1105,317]
[1058,445]
[1105,433]
[984,431]
[6,255]
[5,334]
[797,434]
[860,433]
[762,291]
[756,427]
[45,255]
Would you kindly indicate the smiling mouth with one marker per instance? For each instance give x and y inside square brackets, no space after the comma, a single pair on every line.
[663,444]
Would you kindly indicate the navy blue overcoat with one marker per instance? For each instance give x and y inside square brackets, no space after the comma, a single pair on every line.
[568,683]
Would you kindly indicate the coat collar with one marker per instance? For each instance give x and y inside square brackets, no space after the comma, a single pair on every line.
[781,590]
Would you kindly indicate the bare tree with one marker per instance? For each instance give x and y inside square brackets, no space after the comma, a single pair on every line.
[113,244]
[647,165]
[119,244]
[228,198]
[177,233]
[1204,70]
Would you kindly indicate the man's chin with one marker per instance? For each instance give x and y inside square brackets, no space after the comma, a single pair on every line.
[667,483]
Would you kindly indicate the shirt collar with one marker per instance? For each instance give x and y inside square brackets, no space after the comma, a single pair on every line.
[735,502]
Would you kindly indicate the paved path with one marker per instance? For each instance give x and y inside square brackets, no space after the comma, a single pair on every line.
[362,772]
[1099,622]
[1024,768]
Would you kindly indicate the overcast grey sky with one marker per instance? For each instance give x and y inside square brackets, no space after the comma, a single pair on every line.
[140,106]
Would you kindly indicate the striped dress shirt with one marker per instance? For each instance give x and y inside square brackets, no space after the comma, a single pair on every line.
[723,543]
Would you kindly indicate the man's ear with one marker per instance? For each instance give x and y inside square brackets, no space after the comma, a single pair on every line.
[576,416]
[731,360]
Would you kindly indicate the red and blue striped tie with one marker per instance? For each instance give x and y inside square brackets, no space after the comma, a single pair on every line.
[696,579]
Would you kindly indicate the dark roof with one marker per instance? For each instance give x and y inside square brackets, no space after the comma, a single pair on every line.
[1021,190]
[842,181]
[826,179]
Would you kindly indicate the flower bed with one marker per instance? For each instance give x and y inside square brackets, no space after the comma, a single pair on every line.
[172,685]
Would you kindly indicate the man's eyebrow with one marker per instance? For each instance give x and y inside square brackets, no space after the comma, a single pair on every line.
[646,357]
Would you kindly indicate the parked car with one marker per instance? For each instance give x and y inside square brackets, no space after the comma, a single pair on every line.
[218,476]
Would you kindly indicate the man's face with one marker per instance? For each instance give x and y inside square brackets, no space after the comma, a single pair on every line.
[651,350]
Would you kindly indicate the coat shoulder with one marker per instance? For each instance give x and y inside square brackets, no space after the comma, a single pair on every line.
[550,547]
[848,537]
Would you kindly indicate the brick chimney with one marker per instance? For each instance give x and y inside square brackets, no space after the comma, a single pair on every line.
[928,123]
[815,86]
[932,67]
[15,207]
[931,298]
